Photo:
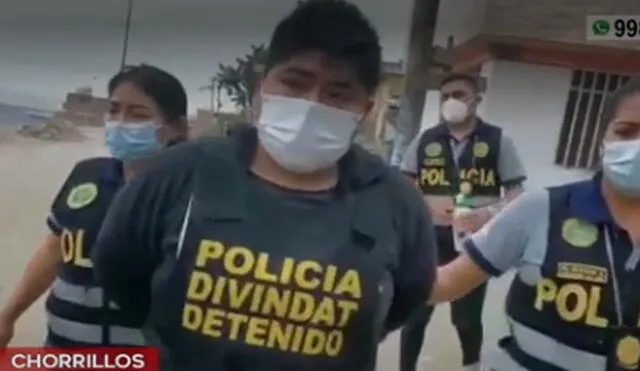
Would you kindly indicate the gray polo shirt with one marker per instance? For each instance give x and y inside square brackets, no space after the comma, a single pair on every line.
[510,168]
[516,237]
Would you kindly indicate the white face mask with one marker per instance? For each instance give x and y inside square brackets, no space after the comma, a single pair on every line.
[304,136]
[454,111]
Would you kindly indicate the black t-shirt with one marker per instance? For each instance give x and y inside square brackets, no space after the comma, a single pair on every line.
[136,249]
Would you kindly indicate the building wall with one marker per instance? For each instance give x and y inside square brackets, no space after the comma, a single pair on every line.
[461,19]
[552,20]
[528,102]
[83,109]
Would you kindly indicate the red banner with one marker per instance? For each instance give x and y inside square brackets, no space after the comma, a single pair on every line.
[41,359]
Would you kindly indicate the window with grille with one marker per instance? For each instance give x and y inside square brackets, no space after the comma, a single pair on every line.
[579,142]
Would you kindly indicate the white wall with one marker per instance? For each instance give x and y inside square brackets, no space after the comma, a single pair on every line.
[528,101]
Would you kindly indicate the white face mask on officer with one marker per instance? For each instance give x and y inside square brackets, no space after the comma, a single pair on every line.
[304,136]
[454,111]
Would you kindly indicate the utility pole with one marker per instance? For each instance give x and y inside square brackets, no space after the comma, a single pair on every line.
[213,87]
[418,62]
[127,28]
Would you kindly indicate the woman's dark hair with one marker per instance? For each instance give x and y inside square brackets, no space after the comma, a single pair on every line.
[161,86]
[630,88]
[334,27]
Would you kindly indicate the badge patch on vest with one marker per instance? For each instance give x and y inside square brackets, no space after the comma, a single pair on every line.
[582,272]
[433,150]
[579,233]
[628,352]
[82,195]
[466,187]
[480,150]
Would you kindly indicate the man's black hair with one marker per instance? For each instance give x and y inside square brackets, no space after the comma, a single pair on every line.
[335,27]
[613,101]
[159,85]
[470,80]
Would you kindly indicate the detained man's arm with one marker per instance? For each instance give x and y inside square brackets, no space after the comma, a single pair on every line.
[129,247]
[499,246]
[415,274]
[123,258]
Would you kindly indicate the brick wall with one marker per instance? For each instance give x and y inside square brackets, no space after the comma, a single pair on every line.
[554,20]
[85,109]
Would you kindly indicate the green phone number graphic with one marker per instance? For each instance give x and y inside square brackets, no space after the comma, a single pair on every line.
[613,27]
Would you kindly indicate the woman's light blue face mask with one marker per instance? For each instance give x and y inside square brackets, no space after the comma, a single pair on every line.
[621,164]
[131,141]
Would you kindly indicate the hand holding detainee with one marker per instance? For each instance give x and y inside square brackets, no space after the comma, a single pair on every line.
[473,221]
[441,208]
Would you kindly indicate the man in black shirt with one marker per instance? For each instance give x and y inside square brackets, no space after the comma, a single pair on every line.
[283,246]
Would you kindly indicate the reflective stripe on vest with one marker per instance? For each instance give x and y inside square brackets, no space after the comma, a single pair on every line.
[499,360]
[548,349]
[92,334]
[91,297]
[86,332]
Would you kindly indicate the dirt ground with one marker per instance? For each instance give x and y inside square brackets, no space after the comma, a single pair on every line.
[31,172]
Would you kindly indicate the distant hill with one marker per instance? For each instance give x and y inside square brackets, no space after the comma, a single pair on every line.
[12,115]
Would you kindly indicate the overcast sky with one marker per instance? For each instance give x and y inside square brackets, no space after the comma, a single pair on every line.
[50,47]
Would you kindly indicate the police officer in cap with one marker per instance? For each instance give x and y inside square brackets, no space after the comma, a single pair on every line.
[575,301]
[466,157]
[283,246]
[147,110]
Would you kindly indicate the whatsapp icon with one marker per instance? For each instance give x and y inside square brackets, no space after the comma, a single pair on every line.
[601,27]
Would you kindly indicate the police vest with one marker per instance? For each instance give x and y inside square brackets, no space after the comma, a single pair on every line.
[474,173]
[79,314]
[241,294]
[572,303]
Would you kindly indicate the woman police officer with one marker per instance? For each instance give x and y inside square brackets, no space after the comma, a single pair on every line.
[148,108]
[575,301]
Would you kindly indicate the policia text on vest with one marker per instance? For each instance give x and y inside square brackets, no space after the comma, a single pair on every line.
[73,250]
[444,170]
[254,274]
[285,310]
[78,313]
[575,301]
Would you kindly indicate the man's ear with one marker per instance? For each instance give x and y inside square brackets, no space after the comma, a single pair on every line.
[479,98]
[368,108]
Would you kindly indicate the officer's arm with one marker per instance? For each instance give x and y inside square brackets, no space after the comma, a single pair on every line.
[512,173]
[128,248]
[415,274]
[497,247]
[41,269]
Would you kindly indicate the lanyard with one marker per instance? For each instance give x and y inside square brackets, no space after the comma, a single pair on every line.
[630,265]
[469,146]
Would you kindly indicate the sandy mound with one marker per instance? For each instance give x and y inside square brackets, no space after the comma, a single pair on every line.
[6,135]
[64,131]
